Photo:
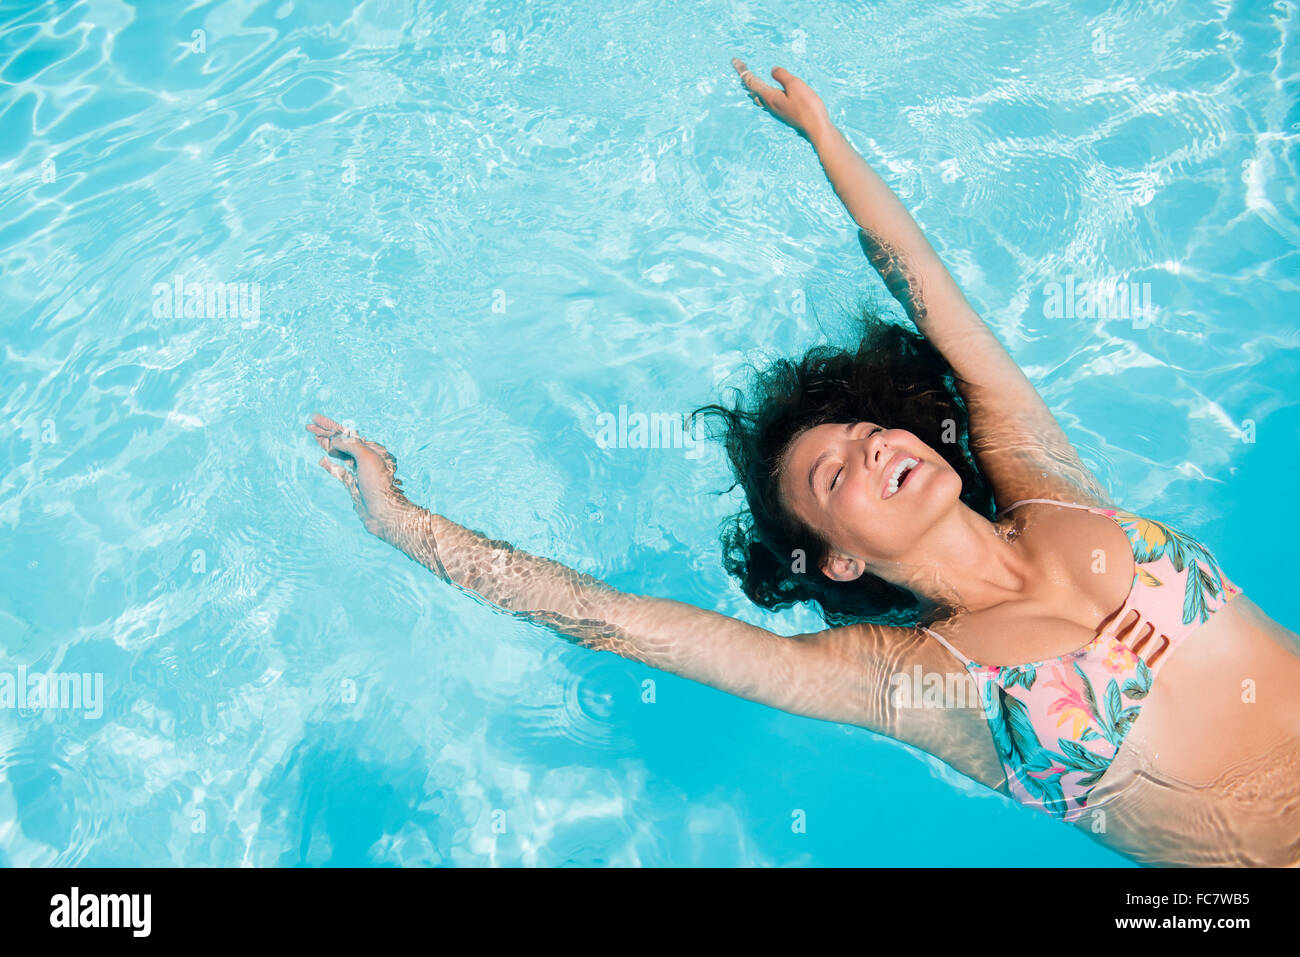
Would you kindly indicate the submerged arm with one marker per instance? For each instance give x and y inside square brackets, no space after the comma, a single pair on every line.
[847,675]
[820,676]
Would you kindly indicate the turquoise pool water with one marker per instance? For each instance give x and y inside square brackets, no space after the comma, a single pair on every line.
[474,229]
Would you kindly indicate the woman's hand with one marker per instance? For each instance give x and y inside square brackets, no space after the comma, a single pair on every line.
[796,104]
[365,468]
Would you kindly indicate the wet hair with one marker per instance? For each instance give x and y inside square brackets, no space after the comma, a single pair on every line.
[894,378]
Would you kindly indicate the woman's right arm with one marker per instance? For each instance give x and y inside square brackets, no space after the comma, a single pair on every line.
[834,675]
[846,675]
[825,675]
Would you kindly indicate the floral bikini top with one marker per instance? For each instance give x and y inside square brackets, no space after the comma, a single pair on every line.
[1058,724]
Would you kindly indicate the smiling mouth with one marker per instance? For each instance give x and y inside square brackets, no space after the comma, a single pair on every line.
[902,472]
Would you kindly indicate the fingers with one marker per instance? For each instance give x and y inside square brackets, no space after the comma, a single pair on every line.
[746,75]
[1117,625]
[321,439]
[338,471]
[333,437]
[371,461]
[753,84]
[1128,629]
[783,76]
[321,424]
[1138,635]
[343,475]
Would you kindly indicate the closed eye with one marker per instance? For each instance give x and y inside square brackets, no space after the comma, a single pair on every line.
[836,480]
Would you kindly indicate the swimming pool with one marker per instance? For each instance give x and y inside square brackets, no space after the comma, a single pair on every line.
[488,235]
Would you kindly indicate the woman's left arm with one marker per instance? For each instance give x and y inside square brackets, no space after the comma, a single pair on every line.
[1017,441]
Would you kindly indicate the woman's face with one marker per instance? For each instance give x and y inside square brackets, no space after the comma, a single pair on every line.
[870,491]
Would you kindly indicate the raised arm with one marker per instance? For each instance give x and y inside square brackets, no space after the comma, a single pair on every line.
[1015,438]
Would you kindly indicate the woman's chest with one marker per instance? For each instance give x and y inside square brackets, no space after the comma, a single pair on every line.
[1084,572]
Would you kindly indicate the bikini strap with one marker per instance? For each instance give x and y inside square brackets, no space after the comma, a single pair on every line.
[939,638]
[1044,501]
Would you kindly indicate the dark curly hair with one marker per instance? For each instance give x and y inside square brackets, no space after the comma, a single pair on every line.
[894,378]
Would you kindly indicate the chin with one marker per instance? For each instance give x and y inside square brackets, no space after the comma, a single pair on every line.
[949,485]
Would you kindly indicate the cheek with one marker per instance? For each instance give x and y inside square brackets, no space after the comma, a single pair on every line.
[863,519]
[881,527]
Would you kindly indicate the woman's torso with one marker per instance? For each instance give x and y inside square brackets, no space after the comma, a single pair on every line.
[1206,765]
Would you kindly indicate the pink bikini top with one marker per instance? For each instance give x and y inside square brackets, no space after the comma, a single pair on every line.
[1058,724]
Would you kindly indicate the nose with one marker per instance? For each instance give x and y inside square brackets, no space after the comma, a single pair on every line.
[876,449]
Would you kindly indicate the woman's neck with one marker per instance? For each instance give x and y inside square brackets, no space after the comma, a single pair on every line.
[965,563]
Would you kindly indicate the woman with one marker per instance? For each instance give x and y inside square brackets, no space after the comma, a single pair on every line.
[1041,634]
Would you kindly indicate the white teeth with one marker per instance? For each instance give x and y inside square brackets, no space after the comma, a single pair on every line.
[898,470]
